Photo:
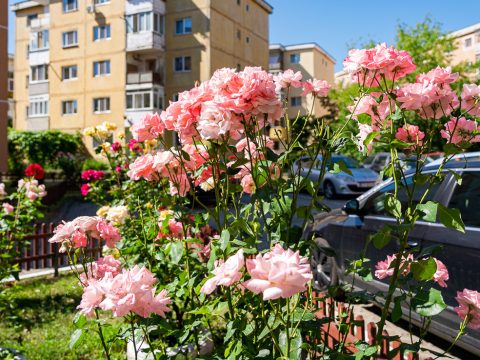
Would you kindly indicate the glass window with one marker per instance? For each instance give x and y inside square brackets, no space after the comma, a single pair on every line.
[468,42]
[69,38]
[101,105]
[274,59]
[139,22]
[101,32]
[31,17]
[70,5]
[295,101]
[375,204]
[140,100]
[466,198]
[158,23]
[37,108]
[183,63]
[69,72]
[39,40]
[183,26]
[294,58]
[69,107]
[98,2]
[39,73]
[101,68]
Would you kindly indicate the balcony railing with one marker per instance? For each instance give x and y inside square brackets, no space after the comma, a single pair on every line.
[42,22]
[275,66]
[144,78]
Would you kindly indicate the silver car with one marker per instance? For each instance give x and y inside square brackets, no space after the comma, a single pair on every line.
[341,183]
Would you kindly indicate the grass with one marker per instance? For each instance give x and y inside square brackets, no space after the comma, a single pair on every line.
[40,323]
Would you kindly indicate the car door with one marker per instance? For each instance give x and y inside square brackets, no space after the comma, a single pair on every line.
[460,254]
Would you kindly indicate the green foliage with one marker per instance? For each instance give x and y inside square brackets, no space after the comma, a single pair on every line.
[51,148]
[94,164]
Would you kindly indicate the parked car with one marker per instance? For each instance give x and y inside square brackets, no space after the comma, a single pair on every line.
[346,231]
[378,161]
[360,180]
[464,157]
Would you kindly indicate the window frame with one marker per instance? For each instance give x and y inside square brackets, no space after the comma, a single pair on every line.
[453,187]
[154,98]
[65,36]
[295,56]
[65,4]
[69,69]
[102,104]
[184,29]
[101,2]
[34,70]
[31,17]
[183,63]
[102,64]
[468,42]
[101,30]
[296,98]
[74,104]
[38,105]
[34,42]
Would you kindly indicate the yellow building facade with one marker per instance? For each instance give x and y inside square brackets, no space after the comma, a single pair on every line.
[467,41]
[81,62]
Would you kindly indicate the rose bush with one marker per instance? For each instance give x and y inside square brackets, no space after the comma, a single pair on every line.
[238,272]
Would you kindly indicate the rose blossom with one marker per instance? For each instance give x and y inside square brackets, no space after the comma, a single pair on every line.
[469,305]
[316,87]
[2,190]
[286,79]
[142,167]
[278,274]
[226,273]
[149,128]
[99,269]
[7,208]
[385,268]
[32,190]
[460,130]
[85,189]
[410,134]
[108,232]
[441,275]
[117,214]
[36,171]
[471,99]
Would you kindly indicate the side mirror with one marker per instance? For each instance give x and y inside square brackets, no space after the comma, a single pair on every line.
[351,207]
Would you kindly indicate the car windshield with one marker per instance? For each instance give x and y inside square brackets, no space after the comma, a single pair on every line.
[349,163]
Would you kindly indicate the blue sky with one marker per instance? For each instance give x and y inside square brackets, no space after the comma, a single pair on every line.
[335,24]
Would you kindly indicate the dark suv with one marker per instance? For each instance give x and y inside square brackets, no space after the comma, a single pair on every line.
[346,231]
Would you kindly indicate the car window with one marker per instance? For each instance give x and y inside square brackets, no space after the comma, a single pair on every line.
[381,161]
[375,204]
[466,198]
[349,163]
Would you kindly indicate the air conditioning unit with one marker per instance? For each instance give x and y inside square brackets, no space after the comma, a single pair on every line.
[91,8]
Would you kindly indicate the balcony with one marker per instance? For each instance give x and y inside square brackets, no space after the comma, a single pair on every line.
[38,123]
[275,66]
[138,78]
[136,6]
[38,88]
[39,56]
[145,42]
[41,23]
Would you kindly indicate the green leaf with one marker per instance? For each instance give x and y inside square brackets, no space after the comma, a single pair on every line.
[79,320]
[429,210]
[176,251]
[343,167]
[295,345]
[393,206]
[423,270]
[428,303]
[382,237]
[224,239]
[370,138]
[397,308]
[451,218]
[76,338]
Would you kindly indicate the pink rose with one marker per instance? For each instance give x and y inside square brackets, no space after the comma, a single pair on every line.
[410,134]
[2,190]
[461,130]
[149,128]
[91,298]
[385,268]
[79,239]
[471,99]
[108,232]
[469,305]
[142,167]
[7,208]
[287,78]
[226,273]
[278,274]
[441,275]
[316,87]
[176,228]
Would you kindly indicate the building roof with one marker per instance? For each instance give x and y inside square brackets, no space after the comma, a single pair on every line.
[466,30]
[265,5]
[27,4]
[304,46]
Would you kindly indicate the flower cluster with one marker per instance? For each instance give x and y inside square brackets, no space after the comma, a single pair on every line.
[114,214]
[385,269]
[7,208]
[410,134]
[102,131]
[76,233]
[459,130]
[36,171]
[471,99]
[93,175]
[277,274]
[32,189]
[128,291]
[98,269]
[369,66]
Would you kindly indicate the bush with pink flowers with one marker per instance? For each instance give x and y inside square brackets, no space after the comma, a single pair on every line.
[238,272]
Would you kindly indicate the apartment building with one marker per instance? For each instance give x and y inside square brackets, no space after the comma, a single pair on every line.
[3,84]
[468,45]
[10,85]
[81,62]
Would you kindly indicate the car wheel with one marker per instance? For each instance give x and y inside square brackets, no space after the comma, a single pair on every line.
[329,190]
[324,266]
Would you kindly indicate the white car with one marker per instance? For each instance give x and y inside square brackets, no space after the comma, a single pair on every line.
[360,180]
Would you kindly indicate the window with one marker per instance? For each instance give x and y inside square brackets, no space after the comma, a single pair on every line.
[69,72]
[39,73]
[10,84]
[183,26]
[158,23]
[69,107]
[139,100]
[274,59]
[69,39]
[101,105]
[139,22]
[375,205]
[70,5]
[294,58]
[175,97]
[31,17]
[239,67]
[183,63]
[238,2]
[468,42]
[37,108]
[39,40]
[101,32]
[239,35]
[247,7]
[101,68]
[100,2]
[466,198]
[296,101]
[247,39]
